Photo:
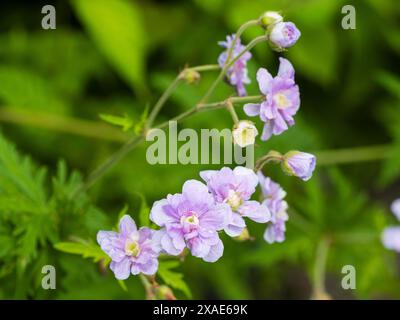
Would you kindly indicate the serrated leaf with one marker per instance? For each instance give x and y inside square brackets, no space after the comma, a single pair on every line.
[125,122]
[86,250]
[173,278]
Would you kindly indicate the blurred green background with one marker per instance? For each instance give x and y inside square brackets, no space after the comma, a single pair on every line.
[117,57]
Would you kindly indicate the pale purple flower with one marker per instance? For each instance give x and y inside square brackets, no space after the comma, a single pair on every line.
[131,250]
[283,35]
[275,232]
[237,74]
[391,238]
[299,164]
[395,207]
[273,198]
[235,187]
[191,219]
[282,100]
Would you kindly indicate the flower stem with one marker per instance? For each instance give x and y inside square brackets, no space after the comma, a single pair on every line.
[321,256]
[228,65]
[171,88]
[350,155]
[231,109]
[159,104]
[272,156]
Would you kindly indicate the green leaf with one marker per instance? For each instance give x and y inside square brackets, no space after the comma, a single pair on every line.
[125,122]
[117,30]
[143,118]
[86,250]
[172,278]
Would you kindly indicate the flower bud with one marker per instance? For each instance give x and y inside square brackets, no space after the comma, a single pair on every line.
[283,35]
[191,76]
[299,164]
[270,17]
[244,133]
[164,293]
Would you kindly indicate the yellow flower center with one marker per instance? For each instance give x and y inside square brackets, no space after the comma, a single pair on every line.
[132,248]
[234,199]
[192,220]
[281,101]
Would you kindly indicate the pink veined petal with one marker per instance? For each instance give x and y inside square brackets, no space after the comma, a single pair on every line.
[168,246]
[255,211]
[267,131]
[252,109]
[216,218]
[286,69]
[236,226]
[159,213]
[111,244]
[264,79]
[215,252]
[199,248]
[197,193]
[127,226]
[121,269]
[149,268]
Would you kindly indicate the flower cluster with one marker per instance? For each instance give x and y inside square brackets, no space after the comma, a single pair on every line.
[237,73]
[391,235]
[192,220]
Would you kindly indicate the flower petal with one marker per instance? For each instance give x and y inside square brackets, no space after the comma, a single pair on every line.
[252,109]
[264,79]
[121,269]
[127,226]
[215,252]
[255,211]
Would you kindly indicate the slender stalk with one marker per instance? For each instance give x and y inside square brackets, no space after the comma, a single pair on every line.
[111,162]
[238,34]
[231,109]
[206,67]
[159,104]
[321,256]
[228,65]
[171,88]
[356,154]
[272,156]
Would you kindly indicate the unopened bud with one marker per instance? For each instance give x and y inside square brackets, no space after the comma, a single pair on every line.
[244,133]
[270,17]
[164,293]
[191,76]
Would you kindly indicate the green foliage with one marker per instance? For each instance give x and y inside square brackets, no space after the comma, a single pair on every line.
[117,30]
[124,122]
[349,82]
[86,250]
[173,278]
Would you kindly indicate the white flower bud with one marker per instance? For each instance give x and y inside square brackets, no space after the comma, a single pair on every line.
[244,133]
[270,17]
